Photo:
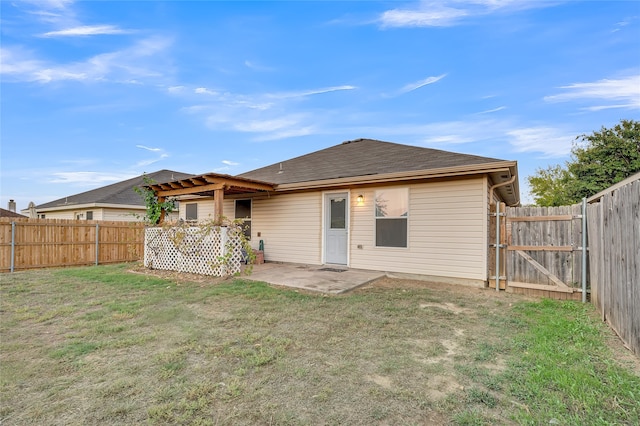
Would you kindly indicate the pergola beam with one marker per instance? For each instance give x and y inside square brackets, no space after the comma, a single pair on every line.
[191,190]
[210,182]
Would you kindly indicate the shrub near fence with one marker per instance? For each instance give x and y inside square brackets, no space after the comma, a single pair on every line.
[44,243]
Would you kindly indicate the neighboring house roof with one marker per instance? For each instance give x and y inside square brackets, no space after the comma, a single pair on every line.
[9,213]
[362,157]
[120,193]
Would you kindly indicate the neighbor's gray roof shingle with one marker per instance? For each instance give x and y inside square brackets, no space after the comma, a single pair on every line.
[361,157]
[9,213]
[117,193]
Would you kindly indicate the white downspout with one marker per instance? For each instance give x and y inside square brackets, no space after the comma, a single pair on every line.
[498,246]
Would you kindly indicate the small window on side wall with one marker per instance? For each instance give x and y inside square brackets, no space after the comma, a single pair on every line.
[392,212]
[243,211]
[191,212]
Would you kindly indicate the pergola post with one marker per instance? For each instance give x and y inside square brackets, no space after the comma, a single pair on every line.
[162,212]
[218,199]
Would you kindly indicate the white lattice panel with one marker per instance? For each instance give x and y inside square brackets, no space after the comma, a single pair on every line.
[194,250]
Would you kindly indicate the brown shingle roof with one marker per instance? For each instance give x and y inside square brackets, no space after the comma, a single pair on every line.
[9,213]
[116,193]
[362,157]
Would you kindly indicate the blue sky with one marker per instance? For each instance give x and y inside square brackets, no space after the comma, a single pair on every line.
[97,92]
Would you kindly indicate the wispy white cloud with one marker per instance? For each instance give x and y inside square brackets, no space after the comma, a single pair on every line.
[150,149]
[266,125]
[130,65]
[624,91]
[549,141]
[310,92]
[418,84]
[230,163]
[205,91]
[257,67]
[290,132]
[87,178]
[175,89]
[544,141]
[449,13]
[432,16]
[50,4]
[266,115]
[18,62]
[147,161]
[490,111]
[87,30]
[625,22]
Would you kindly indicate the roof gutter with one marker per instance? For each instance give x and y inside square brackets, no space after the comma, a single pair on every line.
[501,184]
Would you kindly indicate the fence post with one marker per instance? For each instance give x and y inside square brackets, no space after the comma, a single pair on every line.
[97,242]
[498,246]
[13,245]
[584,250]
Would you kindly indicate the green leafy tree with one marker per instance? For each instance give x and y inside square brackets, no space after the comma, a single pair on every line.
[550,186]
[605,158]
[153,205]
[598,161]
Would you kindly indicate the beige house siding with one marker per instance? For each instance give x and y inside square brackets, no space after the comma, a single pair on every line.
[290,226]
[446,227]
[119,215]
[63,214]
[102,213]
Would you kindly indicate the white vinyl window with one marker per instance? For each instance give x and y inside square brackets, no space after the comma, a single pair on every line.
[392,212]
[191,211]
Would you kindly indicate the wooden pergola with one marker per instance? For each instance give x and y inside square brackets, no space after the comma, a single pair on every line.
[209,184]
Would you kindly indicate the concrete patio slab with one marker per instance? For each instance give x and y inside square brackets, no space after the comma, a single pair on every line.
[321,278]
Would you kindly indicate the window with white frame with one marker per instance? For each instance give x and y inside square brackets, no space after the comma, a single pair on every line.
[392,212]
[191,211]
[89,215]
[243,211]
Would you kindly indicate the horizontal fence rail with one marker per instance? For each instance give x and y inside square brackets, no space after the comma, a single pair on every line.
[45,243]
[545,246]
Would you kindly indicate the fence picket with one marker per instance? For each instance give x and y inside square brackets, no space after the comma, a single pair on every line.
[44,243]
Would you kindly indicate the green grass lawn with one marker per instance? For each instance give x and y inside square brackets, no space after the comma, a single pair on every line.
[102,345]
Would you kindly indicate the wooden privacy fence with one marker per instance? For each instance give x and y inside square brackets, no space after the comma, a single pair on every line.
[43,243]
[539,250]
[613,223]
[544,250]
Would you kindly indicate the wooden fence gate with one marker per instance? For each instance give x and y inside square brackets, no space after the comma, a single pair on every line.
[540,251]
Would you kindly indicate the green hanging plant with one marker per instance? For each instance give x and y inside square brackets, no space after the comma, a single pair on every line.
[153,207]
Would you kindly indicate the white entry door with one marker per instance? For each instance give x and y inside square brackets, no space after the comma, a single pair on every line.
[336,207]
